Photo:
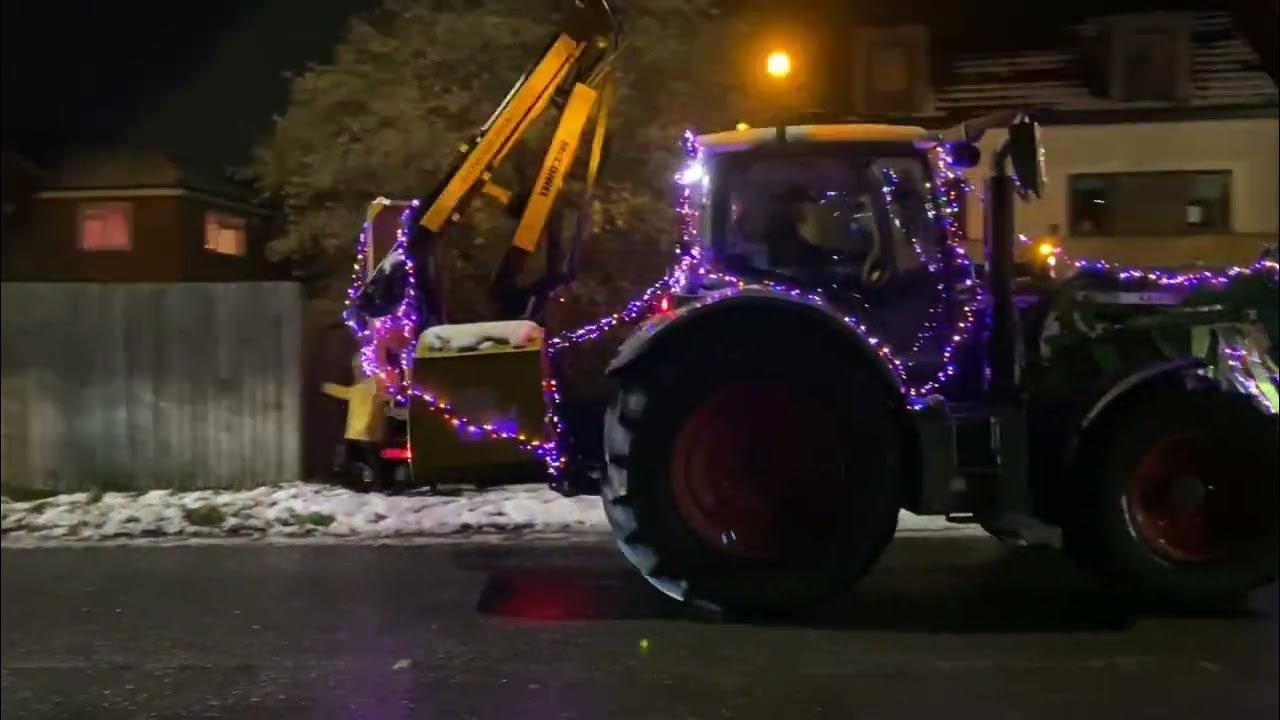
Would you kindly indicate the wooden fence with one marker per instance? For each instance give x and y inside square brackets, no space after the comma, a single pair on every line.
[150,386]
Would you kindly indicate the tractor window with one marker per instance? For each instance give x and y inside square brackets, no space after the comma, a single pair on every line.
[787,215]
[824,217]
[915,234]
[845,222]
[798,216]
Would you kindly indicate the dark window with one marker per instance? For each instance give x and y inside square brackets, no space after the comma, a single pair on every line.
[1150,72]
[890,70]
[1151,203]
[1150,56]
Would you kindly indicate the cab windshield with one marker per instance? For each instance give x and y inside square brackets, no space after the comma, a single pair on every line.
[822,212]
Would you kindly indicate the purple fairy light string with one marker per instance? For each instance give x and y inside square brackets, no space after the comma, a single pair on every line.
[1238,370]
[1186,279]
[674,280]
[372,334]
[942,205]
[889,184]
[889,189]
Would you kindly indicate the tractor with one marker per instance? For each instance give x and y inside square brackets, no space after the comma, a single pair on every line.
[823,354]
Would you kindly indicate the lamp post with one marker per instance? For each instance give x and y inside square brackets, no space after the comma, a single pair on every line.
[780,88]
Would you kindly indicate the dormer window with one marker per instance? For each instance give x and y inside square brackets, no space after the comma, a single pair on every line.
[890,72]
[1149,57]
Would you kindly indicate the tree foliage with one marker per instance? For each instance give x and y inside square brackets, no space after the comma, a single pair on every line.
[412,81]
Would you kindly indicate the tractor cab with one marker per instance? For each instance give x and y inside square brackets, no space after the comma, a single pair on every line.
[847,210]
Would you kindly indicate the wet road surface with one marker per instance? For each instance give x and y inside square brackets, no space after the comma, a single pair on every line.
[956,628]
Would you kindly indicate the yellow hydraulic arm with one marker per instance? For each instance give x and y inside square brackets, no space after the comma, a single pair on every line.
[573,73]
[588,34]
[511,299]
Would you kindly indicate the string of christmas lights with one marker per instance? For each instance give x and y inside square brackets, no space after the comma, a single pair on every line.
[889,186]
[372,333]
[373,336]
[553,426]
[947,191]
[1240,362]
[929,326]
[1186,279]
[675,279]
[1189,279]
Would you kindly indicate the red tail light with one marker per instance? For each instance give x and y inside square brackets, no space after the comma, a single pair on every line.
[396,453]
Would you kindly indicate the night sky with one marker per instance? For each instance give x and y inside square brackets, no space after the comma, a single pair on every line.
[155,74]
[200,81]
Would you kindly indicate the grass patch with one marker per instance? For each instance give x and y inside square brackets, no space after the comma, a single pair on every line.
[39,507]
[317,519]
[204,516]
[18,493]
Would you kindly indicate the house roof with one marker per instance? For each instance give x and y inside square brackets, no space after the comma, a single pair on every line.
[127,168]
[18,164]
[1226,73]
[20,174]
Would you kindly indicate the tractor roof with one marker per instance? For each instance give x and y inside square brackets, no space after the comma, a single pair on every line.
[738,140]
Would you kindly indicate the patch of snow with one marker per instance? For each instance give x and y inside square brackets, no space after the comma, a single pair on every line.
[473,336]
[911,524]
[300,511]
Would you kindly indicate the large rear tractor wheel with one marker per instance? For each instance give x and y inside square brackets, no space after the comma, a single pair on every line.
[753,470]
[1177,501]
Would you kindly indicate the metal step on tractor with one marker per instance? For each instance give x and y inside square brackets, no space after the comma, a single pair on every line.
[823,354]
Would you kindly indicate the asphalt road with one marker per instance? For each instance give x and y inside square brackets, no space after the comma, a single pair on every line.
[961,629]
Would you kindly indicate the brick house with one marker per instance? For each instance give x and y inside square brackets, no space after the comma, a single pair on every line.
[133,216]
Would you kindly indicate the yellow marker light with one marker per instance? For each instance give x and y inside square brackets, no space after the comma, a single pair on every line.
[742,126]
[1046,249]
[778,64]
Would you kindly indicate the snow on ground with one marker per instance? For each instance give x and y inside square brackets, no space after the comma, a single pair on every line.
[318,512]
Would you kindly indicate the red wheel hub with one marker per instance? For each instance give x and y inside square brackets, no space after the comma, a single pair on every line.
[1193,500]
[757,470]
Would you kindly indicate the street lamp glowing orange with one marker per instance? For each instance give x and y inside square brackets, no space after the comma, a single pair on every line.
[778,64]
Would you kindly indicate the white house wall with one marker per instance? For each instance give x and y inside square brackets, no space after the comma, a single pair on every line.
[1249,148]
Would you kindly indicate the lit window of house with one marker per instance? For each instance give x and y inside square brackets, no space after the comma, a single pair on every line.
[224,233]
[1150,203]
[105,226]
